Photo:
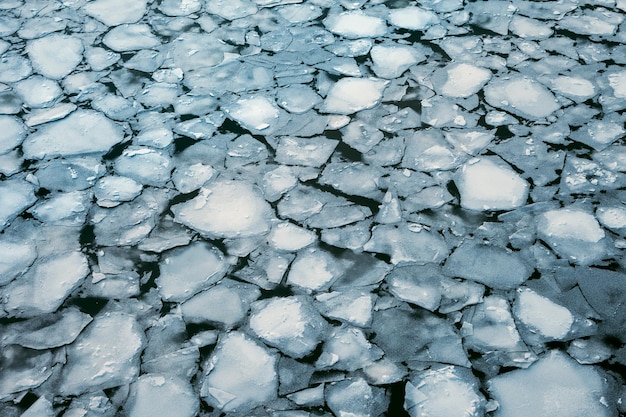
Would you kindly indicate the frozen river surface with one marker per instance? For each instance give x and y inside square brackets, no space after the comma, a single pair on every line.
[301,208]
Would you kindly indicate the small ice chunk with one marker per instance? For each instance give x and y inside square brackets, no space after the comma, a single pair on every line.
[407,243]
[144,165]
[429,393]
[492,327]
[603,23]
[355,24]
[391,60]
[179,7]
[416,284]
[187,270]
[15,196]
[384,372]
[188,178]
[460,79]
[493,266]
[289,237]
[218,305]
[56,55]
[231,9]
[105,355]
[63,209]
[13,68]
[542,315]
[226,208]
[22,369]
[115,107]
[574,234]
[70,174]
[12,133]
[314,270]
[617,81]
[353,178]
[278,181]
[241,375]
[427,150]
[350,95]
[347,349]
[589,351]
[612,217]
[290,324]
[309,397]
[555,385]
[297,98]
[40,116]
[131,37]
[99,58]
[489,184]
[46,285]
[256,113]
[154,394]
[40,408]
[116,12]
[84,131]
[521,96]
[112,190]
[412,18]
[37,91]
[353,397]
[578,89]
[15,258]
[528,28]
[599,134]
[311,152]
[353,307]
[361,136]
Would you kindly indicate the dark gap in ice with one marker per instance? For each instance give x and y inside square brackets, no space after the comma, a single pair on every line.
[452,189]
[26,215]
[312,357]
[185,117]
[361,201]
[279,291]
[167,307]
[116,151]
[151,271]
[195,328]
[42,192]
[181,198]
[28,400]
[183,142]
[349,154]
[87,237]
[27,163]
[396,400]
[383,257]
[89,305]
[503,132]
[270,149]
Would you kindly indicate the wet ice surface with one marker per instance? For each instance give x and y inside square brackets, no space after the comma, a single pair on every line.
[292,208]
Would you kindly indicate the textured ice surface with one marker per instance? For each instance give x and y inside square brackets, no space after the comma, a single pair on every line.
[521,96]
[55,55]
[240,376]
[155,394]
[542,315]
[350,95]
[116,12]
[356,25]
[555,385]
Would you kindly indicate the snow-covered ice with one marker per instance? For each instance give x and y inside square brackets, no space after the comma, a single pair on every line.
[349,95]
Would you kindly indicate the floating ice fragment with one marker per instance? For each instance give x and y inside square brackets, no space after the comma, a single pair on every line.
[311,152]
[612,217]
[144,165]
[521,96]
[37,91]
[407,244]
[154,394]
[448,391]
[492,327]
[391,60]
[353,397]
[187,270]
[555,385]
[179,7]
[84,131]
[256,113]
[489,184]
[13,67]
[230,9]
[15,196]
[40,116]
[219,305]
[115,107]
[241,375]
[313,270]
[617,81]
[460,79]
[576,88]
[350,306]
[63,209]
[601,23]
[40,408]
[130,37]
[55,55]
[289,237]
[12,132]
[355,24]
[349,95]
[15,258]
[413,18]
[290,324]
[540,314]
[22,369]
[490,265]
[112,190]
[528,28]
[116,12]
[347,349]
[226,209]
[574,234]
[188,178]
[105,355]
[297,98]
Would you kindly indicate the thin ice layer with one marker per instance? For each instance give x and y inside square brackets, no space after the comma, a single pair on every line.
[521,96]
[56,55]
[226,208]
[349,95]
[82,132]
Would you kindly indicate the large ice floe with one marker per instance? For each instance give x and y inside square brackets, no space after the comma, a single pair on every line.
[312,208]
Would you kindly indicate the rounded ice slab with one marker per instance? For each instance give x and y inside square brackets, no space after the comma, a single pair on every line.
[489,184]
[226,209]
[156,394]
[350,95]
[55,56]
[542,315]
[412,18]
[289,324]
[521,96]
[574,234]
[460,79]
[241,375]
[554,386]
[116,12]
[256,113]
[390,61]
[355,24]
[125,38]
[82,132]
